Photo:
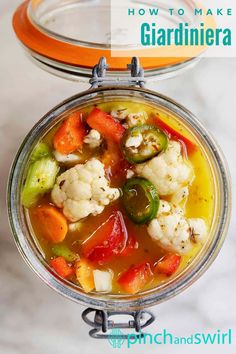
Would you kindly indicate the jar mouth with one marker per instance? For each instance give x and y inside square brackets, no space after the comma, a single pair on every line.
[29,250]
[60,47]
[51,17]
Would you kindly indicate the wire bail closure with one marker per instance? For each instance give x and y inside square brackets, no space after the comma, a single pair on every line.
[102,323]
[99,75]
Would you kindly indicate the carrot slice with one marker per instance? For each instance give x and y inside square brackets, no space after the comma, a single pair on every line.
[61,267]
[106,125]
[69,137]
[190,146]
[52,223]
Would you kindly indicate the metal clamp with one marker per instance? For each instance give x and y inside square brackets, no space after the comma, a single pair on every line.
[102,323]
[99,78]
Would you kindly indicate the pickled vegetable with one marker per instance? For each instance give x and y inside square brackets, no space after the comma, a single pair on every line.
[52,223]
[40,180]
[173,134]
[141,143]
[140,200]
[84,274]
[100,223]
[107,241]
[105,125]
[41,150]
[65,252]
[169,264]
[63,269]
[69,137]
[135,278]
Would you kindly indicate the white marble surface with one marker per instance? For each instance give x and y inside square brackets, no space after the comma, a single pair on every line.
[33,318]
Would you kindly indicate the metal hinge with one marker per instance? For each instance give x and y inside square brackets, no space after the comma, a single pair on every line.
[102,325]
[105,328]
[99,78]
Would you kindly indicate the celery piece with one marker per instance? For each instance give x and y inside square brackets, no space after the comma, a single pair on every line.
[41,150]
[40,180]
[64,251]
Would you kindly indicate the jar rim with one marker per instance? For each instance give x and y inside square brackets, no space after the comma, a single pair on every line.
[67,289]
[67,56]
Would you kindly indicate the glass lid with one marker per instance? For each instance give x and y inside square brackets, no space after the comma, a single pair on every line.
[67,37]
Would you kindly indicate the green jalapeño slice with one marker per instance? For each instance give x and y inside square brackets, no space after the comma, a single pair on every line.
[140,199]
[143,142]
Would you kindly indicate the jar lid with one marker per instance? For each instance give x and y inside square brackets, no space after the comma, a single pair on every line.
[67,38]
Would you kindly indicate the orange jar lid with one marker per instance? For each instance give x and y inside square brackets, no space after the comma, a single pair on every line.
[71,36]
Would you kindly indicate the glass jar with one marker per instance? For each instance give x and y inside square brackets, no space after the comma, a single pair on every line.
[25,240]
[37,26]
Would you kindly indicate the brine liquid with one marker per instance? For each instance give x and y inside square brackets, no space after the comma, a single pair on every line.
[200,204]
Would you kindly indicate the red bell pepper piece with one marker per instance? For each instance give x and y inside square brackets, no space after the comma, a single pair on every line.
[114,160]
[135,278]
[60,265]
[106,125]
[108,240]
[131,245]
[168,264]
[69,137]
[190,146]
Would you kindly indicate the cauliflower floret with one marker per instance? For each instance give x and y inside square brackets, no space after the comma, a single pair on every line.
[164,207]
[198,229]
[168,171]
[102,280]
[129,174]
[137,119]
[83,190]
[75,226]
[67,158]
[181,196]
[119,113]
[173,231]
[93,139]
[134,141]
